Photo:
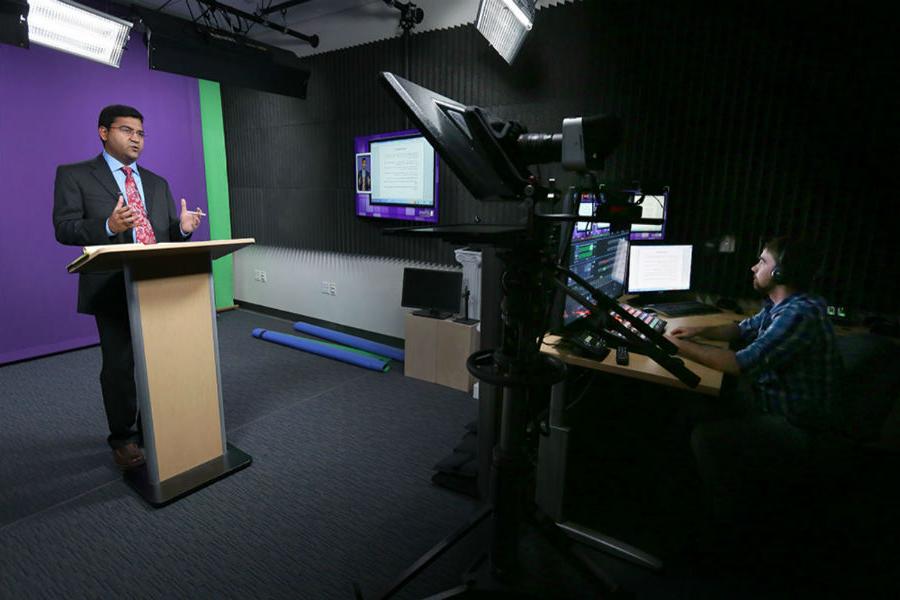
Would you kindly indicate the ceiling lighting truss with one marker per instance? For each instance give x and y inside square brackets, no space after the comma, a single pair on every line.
[213,6]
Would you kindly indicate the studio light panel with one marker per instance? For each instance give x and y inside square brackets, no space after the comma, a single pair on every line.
[505,23]
[79,30]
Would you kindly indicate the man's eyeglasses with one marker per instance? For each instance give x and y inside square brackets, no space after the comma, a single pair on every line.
[128,131]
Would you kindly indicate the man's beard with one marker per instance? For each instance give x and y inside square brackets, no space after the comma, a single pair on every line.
[763,290]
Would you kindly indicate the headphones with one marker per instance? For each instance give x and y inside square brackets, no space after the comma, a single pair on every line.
[796,263]
[780,274]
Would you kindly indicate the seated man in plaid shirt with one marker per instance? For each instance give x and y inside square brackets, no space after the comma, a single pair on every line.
[788,373]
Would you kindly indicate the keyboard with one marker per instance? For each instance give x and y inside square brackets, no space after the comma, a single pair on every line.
[657,324]
[684,308]
[599,345]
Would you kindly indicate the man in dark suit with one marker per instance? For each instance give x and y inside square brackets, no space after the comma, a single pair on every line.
[363,178]
[109,200]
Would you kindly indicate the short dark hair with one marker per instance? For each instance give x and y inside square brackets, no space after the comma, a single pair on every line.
[797,259]
[114,111]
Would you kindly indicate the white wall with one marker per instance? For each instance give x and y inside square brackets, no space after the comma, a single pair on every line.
[367,289]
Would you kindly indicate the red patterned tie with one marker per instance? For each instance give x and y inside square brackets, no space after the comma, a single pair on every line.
[143,232]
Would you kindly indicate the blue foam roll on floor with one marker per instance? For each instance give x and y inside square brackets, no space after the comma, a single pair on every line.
[346,355]
[350,340]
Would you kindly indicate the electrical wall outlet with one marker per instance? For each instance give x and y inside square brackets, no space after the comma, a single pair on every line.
[260,276]
[328,288]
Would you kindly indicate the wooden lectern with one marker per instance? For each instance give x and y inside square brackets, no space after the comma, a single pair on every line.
[176,362]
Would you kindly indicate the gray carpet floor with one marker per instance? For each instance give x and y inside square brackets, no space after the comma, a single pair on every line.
[339,490]
[339,493]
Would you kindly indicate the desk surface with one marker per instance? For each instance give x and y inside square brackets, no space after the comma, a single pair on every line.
[643,368]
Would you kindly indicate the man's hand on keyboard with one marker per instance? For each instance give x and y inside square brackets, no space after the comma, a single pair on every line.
[685,332]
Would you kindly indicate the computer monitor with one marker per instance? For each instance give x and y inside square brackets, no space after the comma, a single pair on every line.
[396,177]
[653,206]
[587,204]
[436,293]
[600,260]
[659,268]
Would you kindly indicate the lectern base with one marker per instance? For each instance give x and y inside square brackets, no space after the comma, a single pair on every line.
[162,493]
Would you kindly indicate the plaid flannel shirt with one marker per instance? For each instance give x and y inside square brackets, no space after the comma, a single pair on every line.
[792,360]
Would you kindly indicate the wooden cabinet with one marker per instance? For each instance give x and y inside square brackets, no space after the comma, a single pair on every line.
[436,350]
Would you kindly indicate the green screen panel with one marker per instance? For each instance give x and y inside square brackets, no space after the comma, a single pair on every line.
[217,187]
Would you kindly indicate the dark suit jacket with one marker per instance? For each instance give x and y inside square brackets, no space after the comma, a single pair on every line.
[363,181]
[84,196]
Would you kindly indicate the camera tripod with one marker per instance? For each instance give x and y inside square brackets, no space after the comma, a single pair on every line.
[516,368]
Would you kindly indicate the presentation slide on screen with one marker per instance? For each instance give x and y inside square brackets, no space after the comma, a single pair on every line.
[403,172]
[653,207]
[659,268]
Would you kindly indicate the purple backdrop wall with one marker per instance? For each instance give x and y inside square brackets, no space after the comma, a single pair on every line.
[49,102]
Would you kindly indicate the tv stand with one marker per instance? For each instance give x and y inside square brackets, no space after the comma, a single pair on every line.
[436,351]
[432,314]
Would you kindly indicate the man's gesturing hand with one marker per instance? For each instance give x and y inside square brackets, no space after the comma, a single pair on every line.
[121,217]
[190,220]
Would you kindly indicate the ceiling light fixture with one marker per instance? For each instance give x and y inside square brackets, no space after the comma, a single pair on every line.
[75,29]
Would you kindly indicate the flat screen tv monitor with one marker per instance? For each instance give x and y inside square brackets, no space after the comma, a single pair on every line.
[653,206]
[600,260]
[587,204]
[659,268]
[396,176]
[435,293]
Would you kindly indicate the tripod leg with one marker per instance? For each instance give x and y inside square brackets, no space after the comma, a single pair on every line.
[433,554]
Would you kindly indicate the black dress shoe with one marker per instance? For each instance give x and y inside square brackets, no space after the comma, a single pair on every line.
[128,456]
